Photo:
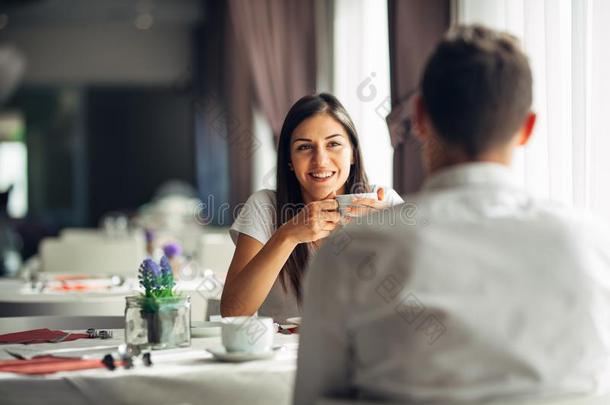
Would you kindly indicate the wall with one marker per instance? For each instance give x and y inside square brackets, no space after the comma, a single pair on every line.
[102,54]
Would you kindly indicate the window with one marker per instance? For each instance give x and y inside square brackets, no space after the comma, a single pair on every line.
[362,79]
[13,163]
[566,158]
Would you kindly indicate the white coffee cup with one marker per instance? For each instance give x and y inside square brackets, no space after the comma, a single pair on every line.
[251,334]
[345,200]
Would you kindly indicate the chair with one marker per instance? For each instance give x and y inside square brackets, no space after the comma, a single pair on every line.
[215,251]
[80,233]
[97,234]
[92,255]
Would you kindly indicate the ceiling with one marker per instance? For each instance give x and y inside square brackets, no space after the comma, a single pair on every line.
[29,13]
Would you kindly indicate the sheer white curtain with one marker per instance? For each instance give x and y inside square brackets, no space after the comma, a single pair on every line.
[567,159]
[362,79]
[264,158]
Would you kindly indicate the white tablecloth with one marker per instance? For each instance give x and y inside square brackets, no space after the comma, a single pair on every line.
[178,376]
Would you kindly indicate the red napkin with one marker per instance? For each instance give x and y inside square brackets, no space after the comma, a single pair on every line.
[79,287]
[40,336]
[47,365]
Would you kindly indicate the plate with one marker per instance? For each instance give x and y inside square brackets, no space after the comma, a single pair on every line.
[205,329]
[296,320]
[239,357]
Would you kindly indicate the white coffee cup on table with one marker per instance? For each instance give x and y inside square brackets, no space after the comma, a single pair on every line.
[251,334]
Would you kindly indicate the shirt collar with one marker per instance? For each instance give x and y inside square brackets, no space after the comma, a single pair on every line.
[479,173]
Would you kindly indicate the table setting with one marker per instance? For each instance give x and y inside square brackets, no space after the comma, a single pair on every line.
[160,357]
[60,294]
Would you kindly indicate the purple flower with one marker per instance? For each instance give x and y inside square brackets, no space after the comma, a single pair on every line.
[150,269]
[166,268]
[157,280]
[149,234]
[172,249]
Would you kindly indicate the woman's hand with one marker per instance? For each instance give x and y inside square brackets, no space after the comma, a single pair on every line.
[363,206]
[315,221]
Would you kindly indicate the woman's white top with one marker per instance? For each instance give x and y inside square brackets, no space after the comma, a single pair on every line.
[257,220]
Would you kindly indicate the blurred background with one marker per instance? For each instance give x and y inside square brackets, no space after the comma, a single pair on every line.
[160,116]
[144,109]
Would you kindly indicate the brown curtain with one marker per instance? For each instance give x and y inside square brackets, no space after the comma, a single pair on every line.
[279,38]
[415,26]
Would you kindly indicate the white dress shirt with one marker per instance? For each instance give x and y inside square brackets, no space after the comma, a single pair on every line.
[471,290]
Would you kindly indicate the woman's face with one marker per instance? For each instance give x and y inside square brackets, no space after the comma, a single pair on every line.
[321,156]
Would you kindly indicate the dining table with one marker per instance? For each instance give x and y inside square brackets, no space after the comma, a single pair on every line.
[85,298]
[189,375]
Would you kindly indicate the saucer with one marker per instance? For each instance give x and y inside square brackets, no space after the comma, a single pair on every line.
[221,354]
[205,329]
[295,321]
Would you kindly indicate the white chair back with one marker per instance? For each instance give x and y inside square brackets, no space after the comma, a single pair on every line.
[80,233]
[215,251]
[96,234]
[94,256]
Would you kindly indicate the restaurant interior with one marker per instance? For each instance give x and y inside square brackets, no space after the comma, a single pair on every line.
[135,130]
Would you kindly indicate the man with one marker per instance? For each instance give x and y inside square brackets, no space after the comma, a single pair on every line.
[471,290]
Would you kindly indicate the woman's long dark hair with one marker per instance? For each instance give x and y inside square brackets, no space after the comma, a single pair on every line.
[289,198]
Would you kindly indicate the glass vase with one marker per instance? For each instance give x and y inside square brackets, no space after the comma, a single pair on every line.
[158,323]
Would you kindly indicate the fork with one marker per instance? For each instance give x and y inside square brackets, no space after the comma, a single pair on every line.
[59,339]
[15,355]
[63,352]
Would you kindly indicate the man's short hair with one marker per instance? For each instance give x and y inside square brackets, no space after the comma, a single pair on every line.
[477,88]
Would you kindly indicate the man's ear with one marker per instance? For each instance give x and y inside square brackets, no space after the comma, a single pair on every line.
[420,121]
[527,129]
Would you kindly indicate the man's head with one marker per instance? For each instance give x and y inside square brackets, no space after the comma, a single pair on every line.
[476,95]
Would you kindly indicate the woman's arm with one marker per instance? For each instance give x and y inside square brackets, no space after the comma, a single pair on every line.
[255,266]
[253,271]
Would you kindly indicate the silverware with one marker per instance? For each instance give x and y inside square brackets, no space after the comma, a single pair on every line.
[102,333]
[15,355]
[67,351]
[60,339]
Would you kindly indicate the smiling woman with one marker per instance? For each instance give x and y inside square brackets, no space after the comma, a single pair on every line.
[320,162]
[319,157]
